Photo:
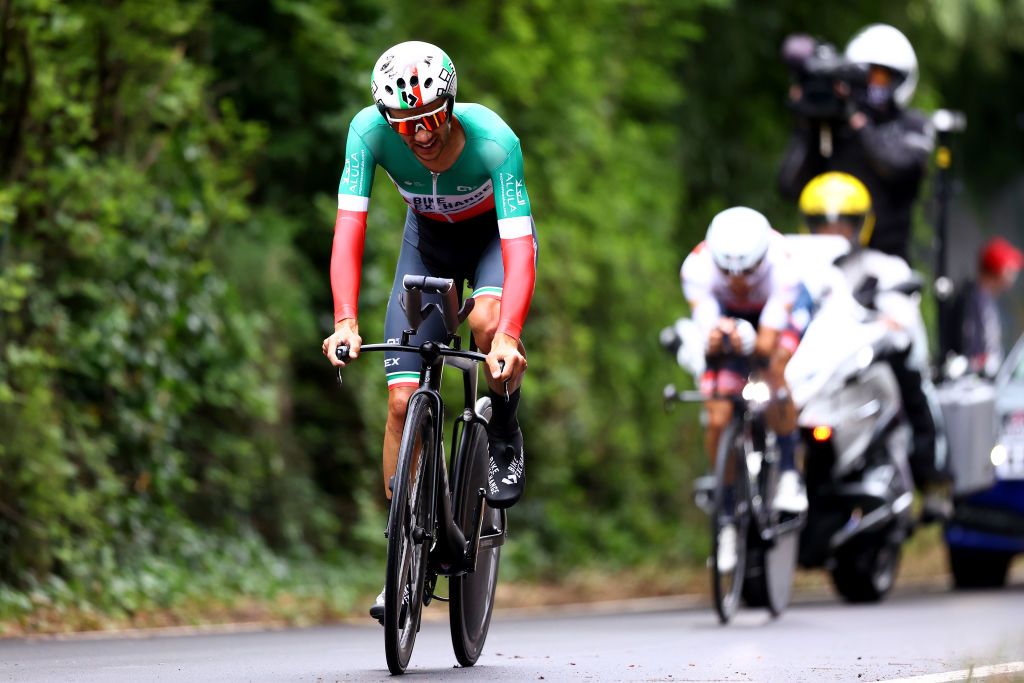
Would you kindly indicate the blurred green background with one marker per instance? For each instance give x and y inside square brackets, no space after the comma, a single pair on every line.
[170,433]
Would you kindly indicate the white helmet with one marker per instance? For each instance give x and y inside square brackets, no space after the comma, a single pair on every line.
[738,239]
[412,74]
[884,45]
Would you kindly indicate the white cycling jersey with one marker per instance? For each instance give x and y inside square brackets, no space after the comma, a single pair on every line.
[772,289]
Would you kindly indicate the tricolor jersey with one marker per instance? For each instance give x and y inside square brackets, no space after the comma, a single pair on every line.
[772,289]
[488,175]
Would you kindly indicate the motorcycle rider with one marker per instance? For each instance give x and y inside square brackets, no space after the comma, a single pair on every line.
[839,204]
[741,287]
[883,143]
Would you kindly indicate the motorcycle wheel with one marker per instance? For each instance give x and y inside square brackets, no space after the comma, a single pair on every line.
[866,571]
[973,568]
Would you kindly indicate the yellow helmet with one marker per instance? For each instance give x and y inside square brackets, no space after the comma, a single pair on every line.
[837,197]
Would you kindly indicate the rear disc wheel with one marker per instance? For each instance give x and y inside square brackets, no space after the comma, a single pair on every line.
[472,594]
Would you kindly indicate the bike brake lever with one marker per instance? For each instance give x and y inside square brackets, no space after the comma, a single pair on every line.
[668,396]
[501,366]
[341,352]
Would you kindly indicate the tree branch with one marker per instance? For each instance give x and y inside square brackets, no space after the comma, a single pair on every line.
[12,146]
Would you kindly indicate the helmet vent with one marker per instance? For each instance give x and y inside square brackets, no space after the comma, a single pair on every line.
[400,83]
[389,90]
[414,81]
[426,83]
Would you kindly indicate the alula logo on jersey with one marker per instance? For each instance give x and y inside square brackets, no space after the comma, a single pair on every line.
[512,192]
[354,173]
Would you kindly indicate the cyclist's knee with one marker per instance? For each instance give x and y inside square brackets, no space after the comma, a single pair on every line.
[483,321]
[777,365]
[719,413]
[398,401]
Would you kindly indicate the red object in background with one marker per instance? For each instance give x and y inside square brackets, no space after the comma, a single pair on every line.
[998,256]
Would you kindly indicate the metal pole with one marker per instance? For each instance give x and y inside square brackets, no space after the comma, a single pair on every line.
[946,123]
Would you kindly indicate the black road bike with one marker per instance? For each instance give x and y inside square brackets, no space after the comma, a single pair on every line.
[746,478]
[440,523]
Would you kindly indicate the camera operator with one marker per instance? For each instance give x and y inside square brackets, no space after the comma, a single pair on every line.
[852,117]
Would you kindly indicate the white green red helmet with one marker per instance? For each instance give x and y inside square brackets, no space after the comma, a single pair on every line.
[412,74]
[738,239]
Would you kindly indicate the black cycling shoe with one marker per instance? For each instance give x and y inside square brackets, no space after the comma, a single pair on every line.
[377,610]
[506,476]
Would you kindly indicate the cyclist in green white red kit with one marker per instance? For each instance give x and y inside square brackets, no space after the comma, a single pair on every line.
[459,167]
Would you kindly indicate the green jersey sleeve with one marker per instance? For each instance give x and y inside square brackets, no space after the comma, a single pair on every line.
[357,177]
[511,200]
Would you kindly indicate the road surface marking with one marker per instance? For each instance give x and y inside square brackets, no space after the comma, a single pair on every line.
[964,674]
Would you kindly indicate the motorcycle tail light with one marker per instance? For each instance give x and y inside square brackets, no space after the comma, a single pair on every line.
[821,433]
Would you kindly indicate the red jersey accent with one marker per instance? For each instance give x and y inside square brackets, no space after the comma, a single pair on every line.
[347,262]
[519,258]
[471,212]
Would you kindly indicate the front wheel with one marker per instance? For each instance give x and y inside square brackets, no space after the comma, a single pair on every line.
[409,534]
[731,509]
[472,594]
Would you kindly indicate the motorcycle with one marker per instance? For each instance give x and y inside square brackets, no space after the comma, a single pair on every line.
[856,444]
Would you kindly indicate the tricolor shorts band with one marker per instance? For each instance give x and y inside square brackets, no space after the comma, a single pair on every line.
[726,380]
[467,251]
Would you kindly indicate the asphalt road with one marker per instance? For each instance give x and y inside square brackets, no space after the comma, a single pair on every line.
[672,640]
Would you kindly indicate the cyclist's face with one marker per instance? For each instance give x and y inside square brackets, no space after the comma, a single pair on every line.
[841,228]
[427,145]
[740,285]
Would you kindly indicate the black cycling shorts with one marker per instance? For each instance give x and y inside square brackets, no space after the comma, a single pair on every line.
[467,251]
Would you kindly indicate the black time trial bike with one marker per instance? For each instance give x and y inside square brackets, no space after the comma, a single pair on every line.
[440,523]
[747,470]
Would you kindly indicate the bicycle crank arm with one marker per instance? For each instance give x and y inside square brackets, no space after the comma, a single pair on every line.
[781,529]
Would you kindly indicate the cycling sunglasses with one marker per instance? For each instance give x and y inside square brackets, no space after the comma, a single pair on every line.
[430,121]
[818,221]
[746,272]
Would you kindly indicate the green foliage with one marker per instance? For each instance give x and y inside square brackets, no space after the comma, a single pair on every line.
[139,391]
[168,428]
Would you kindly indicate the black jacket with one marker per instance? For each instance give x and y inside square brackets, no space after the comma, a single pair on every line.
[888,156]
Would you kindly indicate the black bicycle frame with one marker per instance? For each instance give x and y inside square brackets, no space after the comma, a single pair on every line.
[452,554]
[746,411]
